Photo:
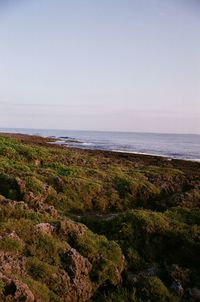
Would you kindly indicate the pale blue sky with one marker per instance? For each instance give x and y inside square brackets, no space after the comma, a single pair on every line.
[100,65]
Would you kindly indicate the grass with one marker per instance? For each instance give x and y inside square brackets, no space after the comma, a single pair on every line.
[145,209]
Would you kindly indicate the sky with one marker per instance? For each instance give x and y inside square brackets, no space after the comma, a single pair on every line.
[110,65]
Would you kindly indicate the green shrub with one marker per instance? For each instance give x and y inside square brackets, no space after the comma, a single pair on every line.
[123,186]
[38,270]
[152,289]
[41,291]
[47,249]
[9,187]
[105,255]
[61,169]
[9,244]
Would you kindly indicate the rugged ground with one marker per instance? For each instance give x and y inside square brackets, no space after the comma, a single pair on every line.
[80,225]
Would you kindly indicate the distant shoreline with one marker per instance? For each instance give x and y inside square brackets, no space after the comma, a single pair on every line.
[175,146]
[167,157]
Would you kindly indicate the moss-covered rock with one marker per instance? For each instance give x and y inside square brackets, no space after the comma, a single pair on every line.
[138,239]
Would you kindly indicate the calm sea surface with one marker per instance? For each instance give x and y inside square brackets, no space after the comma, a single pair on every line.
[182,146]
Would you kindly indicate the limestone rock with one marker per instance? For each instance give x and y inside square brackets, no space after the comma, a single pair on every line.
[44,228]
[12,263]
[78,268]
[16,290]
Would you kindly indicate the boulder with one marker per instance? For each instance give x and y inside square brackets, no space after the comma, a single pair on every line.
[78,268]
[44,228]
[12,263]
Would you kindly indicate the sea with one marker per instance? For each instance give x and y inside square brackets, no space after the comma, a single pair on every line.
[178,146]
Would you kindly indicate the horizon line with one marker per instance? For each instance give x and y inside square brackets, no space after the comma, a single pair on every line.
[109,131]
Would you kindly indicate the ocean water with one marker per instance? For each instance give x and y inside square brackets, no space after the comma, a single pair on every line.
[180,146]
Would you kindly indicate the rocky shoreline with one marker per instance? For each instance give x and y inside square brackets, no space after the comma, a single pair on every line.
[85,225]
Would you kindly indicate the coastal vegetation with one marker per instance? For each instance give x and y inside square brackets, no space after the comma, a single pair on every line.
[80,225]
